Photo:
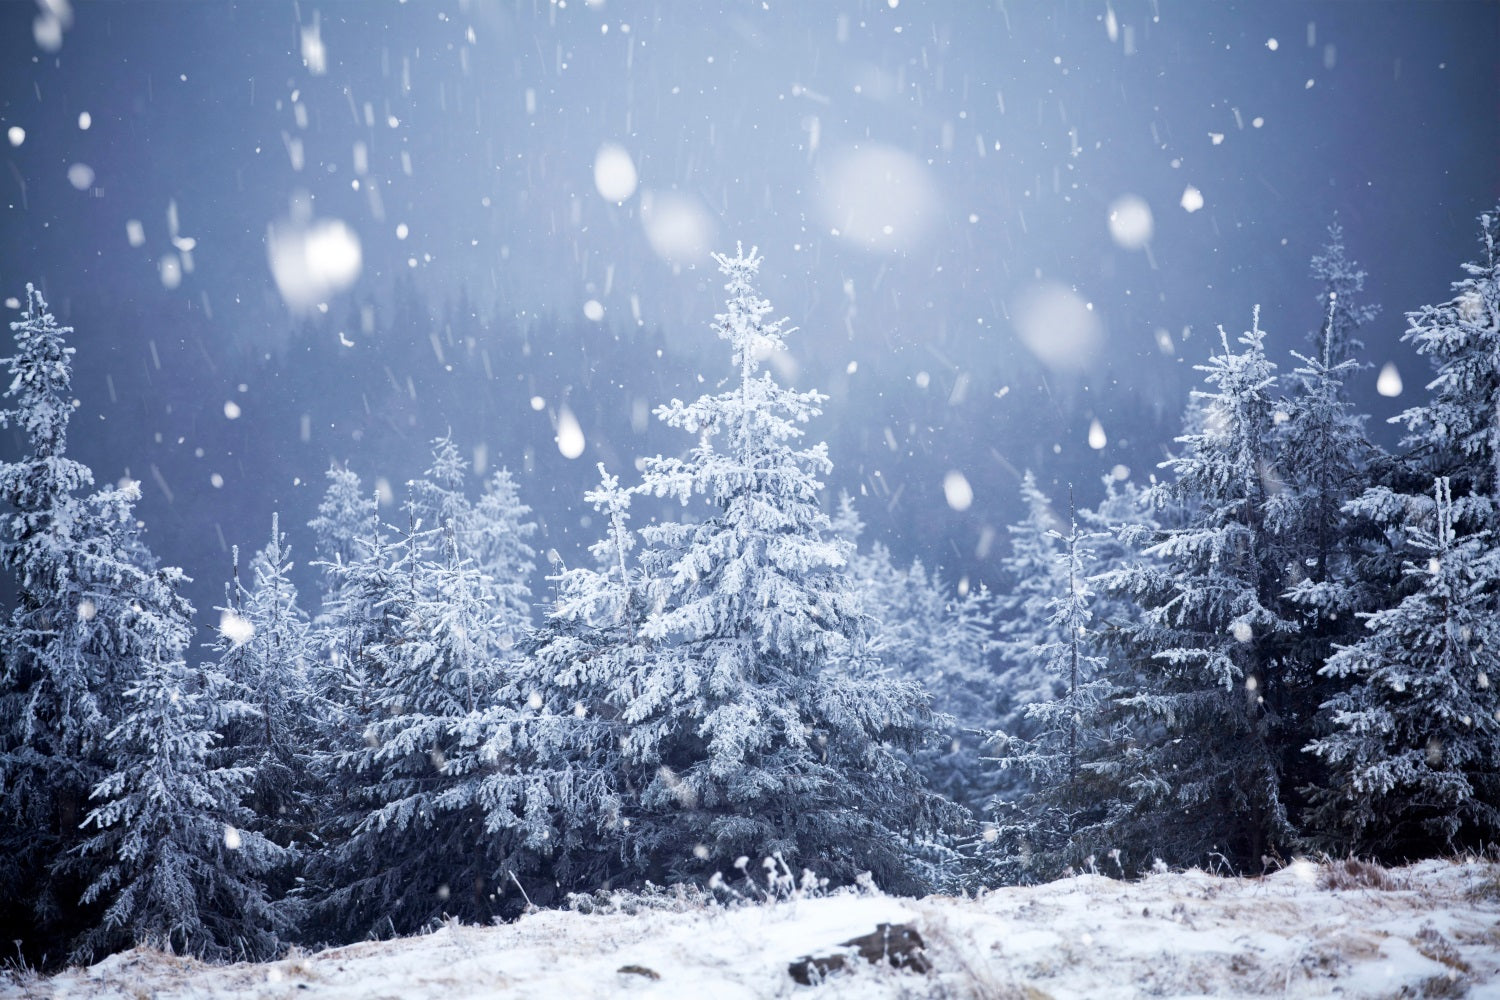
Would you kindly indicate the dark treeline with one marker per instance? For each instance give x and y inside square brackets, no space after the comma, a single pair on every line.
[1284,643]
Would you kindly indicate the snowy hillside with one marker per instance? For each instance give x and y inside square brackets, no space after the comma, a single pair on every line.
[1432,929]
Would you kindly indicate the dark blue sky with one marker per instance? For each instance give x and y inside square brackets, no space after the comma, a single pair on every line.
[918,175]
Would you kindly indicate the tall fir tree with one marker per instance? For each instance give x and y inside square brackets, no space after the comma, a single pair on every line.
[1061,818]
[266,652]
[179,866]
[1454,439]
[418,852]
[547,764]
[1325,460]
[766,723]
[1415,746]
[1204,775]
[1035,575]
[91,605]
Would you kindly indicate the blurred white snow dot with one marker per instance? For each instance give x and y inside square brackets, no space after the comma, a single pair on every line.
[234,628]
[48,32]
[231,409]
[135,233]
[216,481]
[700,851]
[677,226]
[401,231]
[1097,440]
[851,368]
[1241,631]
[534,700]
[956,489]
[87,610]
[878,197]
[16,134]
[569,435]
[171,271]
[81,176]
[538,403]
[232,838]
[1192,199]
[312,261]
[1216,137]
[1058,327]
[593,310]
[614,172]
[1272,44]
[12,303]
[85,120]
[314,55]
[1389,381]
[1130,222]
[1120,473]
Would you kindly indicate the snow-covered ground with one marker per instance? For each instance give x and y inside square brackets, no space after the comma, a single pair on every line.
[1431,930]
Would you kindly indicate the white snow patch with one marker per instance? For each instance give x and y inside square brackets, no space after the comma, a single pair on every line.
[16,134]
[1192,198]
[1171,934]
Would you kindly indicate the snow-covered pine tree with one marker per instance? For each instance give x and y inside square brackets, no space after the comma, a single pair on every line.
[52,722]
[90,603]
[1058,820]
[419,853]
[177,865]
[266,652]
[1415,747]
[1203,775]
[767,724]
[1342,299]
[1035,574]
[546,763]
[354,624]
[1325,460]
[942,642]
[1457,432]
[343,517]
[1455,438]
[497,535]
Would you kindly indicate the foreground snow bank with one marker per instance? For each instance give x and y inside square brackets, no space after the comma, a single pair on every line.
[1432,929]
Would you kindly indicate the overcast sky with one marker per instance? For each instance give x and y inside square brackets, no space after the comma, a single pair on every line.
[1054,201]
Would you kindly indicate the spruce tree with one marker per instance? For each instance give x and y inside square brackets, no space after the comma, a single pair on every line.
[767,725]
[179,866]
[266,652]
[91,609]
[1203,777]
[1415,746]
[1379,738]
[547,763]
[1060,818]
[1324,460]
[418,852]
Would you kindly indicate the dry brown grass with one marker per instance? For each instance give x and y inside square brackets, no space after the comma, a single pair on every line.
[1352,873]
